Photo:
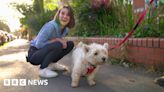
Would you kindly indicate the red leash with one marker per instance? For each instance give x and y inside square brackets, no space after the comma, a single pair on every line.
[90,69]
[134,28]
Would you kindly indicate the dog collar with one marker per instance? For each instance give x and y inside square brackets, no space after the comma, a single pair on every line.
[90,69]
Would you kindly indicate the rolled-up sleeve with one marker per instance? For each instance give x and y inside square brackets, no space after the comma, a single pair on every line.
[44,36]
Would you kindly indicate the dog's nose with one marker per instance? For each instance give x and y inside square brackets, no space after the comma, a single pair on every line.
[103,58]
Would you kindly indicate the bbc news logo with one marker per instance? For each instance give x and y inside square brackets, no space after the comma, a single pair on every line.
[24,82]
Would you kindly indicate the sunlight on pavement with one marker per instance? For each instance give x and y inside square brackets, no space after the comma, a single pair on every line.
[8,72]
[11,63]
[16,43]
[13,57]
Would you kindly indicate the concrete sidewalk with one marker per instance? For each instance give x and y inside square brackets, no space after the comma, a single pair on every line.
[110,78]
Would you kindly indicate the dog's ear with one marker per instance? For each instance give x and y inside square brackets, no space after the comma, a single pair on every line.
[86,48]
[106,45]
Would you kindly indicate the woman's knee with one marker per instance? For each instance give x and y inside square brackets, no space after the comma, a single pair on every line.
[56,45]
[70,44]
[34,60]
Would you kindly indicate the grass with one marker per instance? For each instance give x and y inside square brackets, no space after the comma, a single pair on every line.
[122,62]
[128,64]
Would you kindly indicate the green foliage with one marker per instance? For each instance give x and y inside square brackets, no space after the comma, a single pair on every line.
[153,24]
[161,27]
[50,4]
[4,26]
[36,21]
[122,62]
[35,16]
[116,21]
[38,6]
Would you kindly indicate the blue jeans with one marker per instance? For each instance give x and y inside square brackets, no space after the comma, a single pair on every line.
[48,54]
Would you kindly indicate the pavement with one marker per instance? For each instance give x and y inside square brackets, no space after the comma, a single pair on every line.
[16,75]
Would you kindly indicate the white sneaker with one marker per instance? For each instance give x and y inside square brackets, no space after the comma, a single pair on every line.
[47,73]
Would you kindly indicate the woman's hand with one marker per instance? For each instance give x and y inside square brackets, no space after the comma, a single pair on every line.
[63,42]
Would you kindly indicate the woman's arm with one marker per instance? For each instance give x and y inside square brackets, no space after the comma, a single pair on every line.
[64,42]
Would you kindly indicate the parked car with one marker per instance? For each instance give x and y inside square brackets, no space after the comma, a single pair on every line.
[6,37]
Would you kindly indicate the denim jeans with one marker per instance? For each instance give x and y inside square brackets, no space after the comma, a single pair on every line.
[48,54]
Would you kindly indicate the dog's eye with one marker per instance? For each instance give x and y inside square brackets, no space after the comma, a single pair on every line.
[95,53]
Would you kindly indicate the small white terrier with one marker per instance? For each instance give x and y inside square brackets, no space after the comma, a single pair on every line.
[86,61]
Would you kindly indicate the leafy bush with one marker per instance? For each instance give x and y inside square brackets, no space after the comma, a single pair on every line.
[35,16]
[36,21]
[103,21]
[113,22]
[153,25]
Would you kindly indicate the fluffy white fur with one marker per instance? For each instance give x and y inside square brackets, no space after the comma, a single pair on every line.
[85,56]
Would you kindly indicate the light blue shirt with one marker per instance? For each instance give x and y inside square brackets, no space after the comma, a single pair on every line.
[50,30]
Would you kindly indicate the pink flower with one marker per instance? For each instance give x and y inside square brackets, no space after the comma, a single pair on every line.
[96,4]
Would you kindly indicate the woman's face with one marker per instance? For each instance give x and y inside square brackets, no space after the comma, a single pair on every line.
[64,17]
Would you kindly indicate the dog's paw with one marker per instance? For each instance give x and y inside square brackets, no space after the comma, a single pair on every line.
[57,66]
[74,84]
[61,67]
[67,73]
[91,83]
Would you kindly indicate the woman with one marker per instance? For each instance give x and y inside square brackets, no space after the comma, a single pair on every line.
[49,45]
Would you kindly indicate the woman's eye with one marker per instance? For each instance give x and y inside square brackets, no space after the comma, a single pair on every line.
[62,13]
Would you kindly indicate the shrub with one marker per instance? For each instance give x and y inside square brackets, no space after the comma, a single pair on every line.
[115,21]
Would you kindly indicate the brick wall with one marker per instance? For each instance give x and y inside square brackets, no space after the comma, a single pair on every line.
[147,51]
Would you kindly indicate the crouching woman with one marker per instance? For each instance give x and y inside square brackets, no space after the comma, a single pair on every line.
[49,45]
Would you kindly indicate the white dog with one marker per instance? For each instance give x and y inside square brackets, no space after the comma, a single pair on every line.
[86,61]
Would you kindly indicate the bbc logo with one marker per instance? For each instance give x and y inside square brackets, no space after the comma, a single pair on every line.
[14,82]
